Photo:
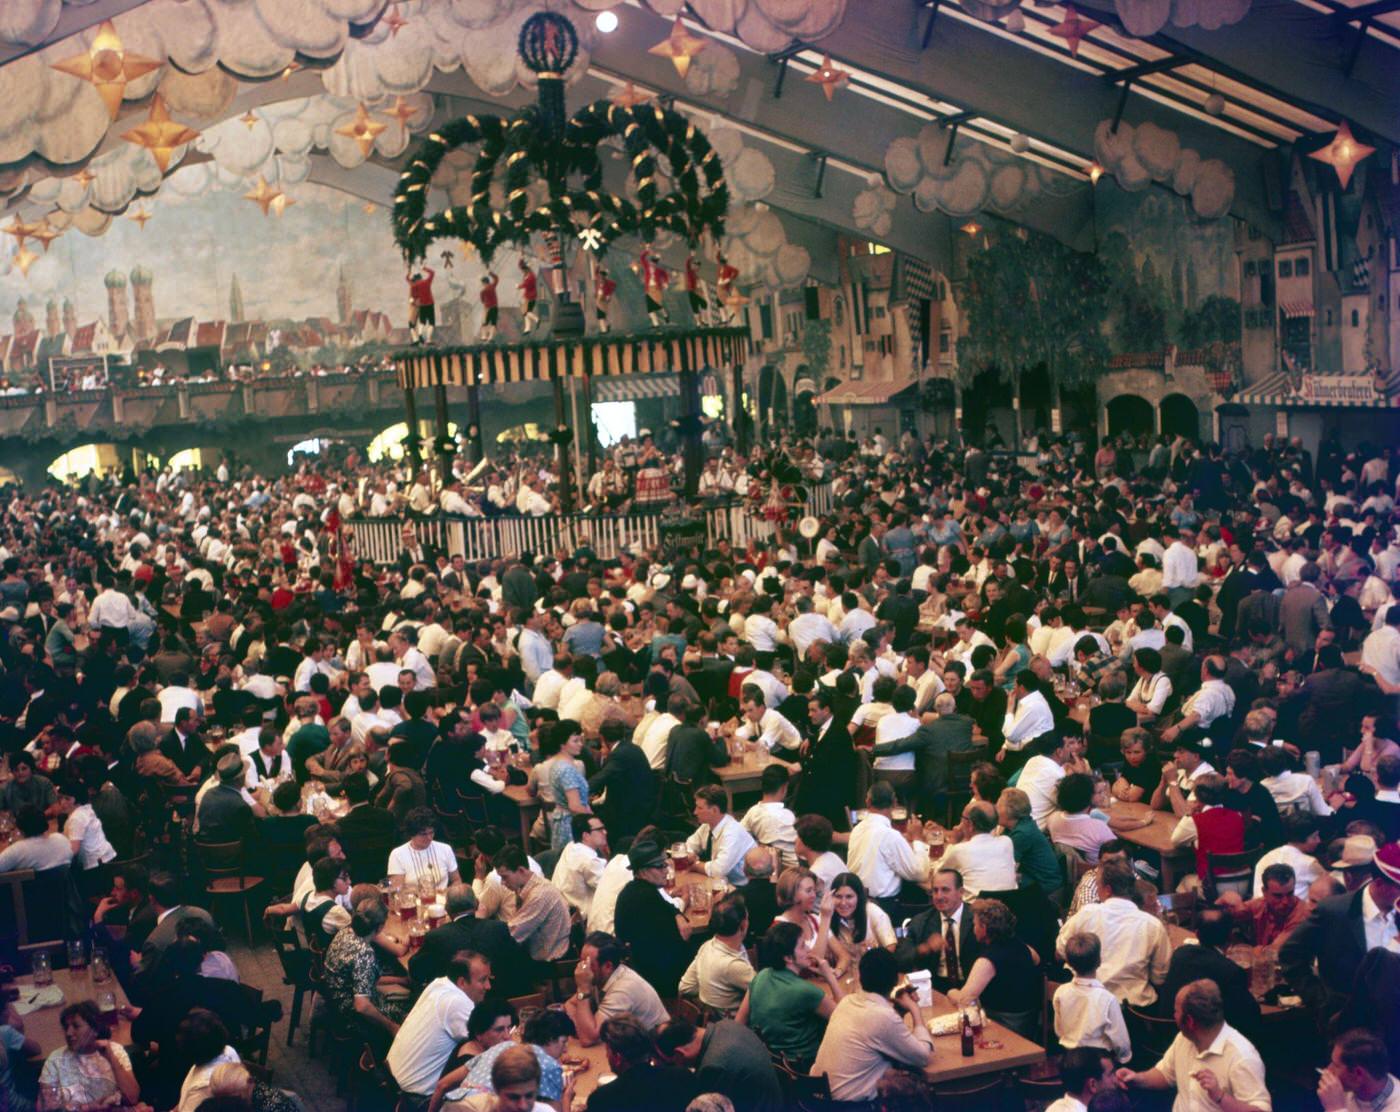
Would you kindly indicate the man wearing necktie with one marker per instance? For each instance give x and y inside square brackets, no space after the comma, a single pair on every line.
[941,939]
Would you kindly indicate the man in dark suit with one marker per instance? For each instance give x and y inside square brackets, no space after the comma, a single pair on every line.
[941,939]
[691,753]
[1303,611]
[710,675]
[760,893]
[184,746]
[931,743]
[830,765]
[1321,956]
[367,833]
[1208,960]
[631,784]
[491,938]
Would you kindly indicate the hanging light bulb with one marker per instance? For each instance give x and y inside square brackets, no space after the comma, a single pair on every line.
[1095,173]
[606,22]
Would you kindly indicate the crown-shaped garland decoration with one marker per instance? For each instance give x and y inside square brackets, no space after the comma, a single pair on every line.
[538,144]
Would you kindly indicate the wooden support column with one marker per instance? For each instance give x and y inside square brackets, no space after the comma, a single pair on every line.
[444,453]
[475,448]
[561,450]
[410,408]
[738,418]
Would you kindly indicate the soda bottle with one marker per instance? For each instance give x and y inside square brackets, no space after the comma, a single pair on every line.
[966,1036]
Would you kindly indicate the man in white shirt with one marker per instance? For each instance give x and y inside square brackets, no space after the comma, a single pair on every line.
[1208,704]
[769,822]
[720,974]
[1028,718]
[582,863]
[411,659]
[554,682]
[866,1033]
[536,655]
[773,731]
[1210,1064]
[656,741]
[1040,780]
[1297,853]
[437,1025]
[1180,568]
[986,860]
[1292,790]
[808,627]
[1135,949]
[813,849]
[720,842]
[880,855]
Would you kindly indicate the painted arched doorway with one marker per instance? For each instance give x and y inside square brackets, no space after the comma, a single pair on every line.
[1180,417]
[1129,413]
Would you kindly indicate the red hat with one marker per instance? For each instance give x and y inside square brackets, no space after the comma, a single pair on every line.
[1387,860]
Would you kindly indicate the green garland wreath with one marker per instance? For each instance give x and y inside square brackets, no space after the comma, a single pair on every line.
[650,133]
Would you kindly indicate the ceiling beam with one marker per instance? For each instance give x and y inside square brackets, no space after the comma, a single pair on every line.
[1366,12]
[73,19]
[1132,73]
[1298,55]
[1039,96]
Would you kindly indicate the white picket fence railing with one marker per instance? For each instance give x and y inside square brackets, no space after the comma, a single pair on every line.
[380,539]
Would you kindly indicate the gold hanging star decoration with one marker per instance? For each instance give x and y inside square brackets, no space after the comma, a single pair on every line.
[45,233]
[160,134]
[24,259]
[19,229]
[394,21]
[629,96]
[680,46]
[371,208]
[364,129]
[402,111]
[85,177]
[1344,153]
[292,67]
[249,119]
[108,66]
[1074,29]
[266,197]
[971,228]
[829,76]
[282,202]
[139,217]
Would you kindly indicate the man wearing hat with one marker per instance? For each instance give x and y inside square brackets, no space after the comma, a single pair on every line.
[224,815]
[648,922]
[1321,956]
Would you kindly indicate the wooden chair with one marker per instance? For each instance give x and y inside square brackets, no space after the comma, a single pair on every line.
[530,1000]
[960,780]
[1040,1085]
[561,978]
[801,1091]
[252,1042]
[1072,868]
[44,907]
[973,1093]
[681,1008]
[1152,1034]
[296,973]
[1235,870]
[225,876]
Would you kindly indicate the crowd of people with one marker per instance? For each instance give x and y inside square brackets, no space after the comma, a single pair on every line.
[968,695]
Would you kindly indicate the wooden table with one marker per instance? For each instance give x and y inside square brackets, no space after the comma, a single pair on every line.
[1180,936]
[526,805]
[43,1027]
[746,775]
[1157,836]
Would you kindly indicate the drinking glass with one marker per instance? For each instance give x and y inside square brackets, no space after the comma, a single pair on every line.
[417,931]
[408,905]
[107,1005]
[77,956]
[43,968]
[700,899]
[101,968]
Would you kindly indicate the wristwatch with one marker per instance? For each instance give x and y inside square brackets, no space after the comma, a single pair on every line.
[581,995]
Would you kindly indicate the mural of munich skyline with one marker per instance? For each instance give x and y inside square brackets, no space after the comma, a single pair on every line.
[217,257]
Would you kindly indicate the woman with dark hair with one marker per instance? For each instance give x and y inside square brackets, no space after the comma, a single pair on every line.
[787,1012]
[568,783]
[857,923]
[91,1071]
[1072,825]
[422,859]
[202,1040]
[351,964]
[1006,979]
